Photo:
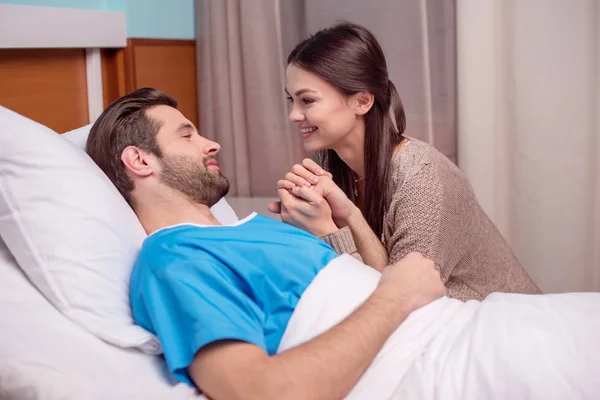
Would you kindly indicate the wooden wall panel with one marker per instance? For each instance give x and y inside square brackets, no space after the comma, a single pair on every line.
[114,78]
[165,64]
[168,65]
[46,85]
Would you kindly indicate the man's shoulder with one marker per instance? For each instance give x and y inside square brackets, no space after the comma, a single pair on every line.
[167,248]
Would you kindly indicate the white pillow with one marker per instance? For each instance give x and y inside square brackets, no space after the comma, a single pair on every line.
[46,356]
[69,229]
[221,210]
[78,136]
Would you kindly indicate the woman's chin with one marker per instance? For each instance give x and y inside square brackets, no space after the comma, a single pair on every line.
[312,145]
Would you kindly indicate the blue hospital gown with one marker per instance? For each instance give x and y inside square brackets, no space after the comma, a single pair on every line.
[193,285]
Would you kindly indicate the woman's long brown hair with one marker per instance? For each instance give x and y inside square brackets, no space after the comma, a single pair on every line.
[349,57]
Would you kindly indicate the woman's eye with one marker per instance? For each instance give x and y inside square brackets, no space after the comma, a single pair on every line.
[188,136]
[305,101]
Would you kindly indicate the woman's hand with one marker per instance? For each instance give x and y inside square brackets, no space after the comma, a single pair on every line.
[301,175]
[305,174]
[305,209]
[322,184]
[341,206]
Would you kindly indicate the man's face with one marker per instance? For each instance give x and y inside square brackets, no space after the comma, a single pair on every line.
[188,162]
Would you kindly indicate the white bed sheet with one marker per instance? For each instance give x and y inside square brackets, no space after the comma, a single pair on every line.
[508,346]
[43,355]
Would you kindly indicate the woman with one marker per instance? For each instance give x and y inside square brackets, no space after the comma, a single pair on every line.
[387,185]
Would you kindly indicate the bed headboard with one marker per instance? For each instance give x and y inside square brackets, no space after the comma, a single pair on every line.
[61,67]
[42,84]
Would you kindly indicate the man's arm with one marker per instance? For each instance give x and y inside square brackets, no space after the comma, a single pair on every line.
[329,365]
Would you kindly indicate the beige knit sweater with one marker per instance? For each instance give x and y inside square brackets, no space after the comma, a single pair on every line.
[433,210]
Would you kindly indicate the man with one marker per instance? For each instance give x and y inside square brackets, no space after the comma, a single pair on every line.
[220,297]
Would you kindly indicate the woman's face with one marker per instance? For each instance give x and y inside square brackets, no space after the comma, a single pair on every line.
[324,116]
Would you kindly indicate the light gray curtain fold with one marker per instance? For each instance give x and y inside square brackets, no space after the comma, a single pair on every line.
[529,117]
[242,52]
[243,104]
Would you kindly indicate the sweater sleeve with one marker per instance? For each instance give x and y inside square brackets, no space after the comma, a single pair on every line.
[342,242]
[415,216]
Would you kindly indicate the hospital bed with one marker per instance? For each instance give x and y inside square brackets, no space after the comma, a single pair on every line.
[69,240]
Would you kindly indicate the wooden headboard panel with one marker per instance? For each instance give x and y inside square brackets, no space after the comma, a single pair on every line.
[50,66]
[168,65]
[165,64]
[46,85]
[61,67]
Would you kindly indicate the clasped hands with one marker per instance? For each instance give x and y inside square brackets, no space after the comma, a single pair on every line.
[311,201]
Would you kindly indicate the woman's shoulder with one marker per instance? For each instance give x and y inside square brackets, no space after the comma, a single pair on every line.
[412,153]
[408,160]
[418,158]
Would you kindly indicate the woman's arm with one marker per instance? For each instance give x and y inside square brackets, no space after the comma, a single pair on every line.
[342,242]
[355,236]
[372,251]
[417,212]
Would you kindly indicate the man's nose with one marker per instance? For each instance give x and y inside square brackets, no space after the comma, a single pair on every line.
[212,148]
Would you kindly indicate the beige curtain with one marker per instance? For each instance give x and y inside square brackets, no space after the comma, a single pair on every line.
[244,44]
[529,130]
[243,104]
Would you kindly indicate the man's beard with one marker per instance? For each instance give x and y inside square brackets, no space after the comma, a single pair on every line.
[193,179]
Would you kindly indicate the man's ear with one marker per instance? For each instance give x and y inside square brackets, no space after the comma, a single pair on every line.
[362,102]
[137,161]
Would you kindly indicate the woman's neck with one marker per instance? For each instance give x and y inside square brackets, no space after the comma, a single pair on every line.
[352,150]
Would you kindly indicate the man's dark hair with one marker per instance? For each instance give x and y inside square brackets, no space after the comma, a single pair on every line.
[125,123]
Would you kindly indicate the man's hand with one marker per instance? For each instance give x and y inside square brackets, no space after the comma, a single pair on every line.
[310,175]
[413,282]
[306,174]
[307,210]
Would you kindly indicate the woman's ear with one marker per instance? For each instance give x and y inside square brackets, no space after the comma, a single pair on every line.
[137,162]
[362,102]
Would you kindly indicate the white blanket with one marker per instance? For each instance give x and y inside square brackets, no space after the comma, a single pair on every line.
[506,347]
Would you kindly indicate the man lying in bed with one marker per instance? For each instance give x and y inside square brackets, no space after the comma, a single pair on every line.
[221,298]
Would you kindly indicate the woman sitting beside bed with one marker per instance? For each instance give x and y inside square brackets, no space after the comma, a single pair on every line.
[399,195]
[261,309]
